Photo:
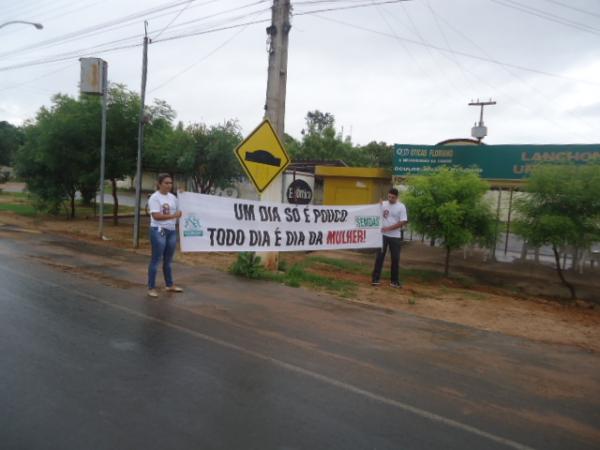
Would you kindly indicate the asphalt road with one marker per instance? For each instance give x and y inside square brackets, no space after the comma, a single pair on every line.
[88,362]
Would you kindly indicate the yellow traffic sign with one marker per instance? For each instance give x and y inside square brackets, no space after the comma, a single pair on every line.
[262,155]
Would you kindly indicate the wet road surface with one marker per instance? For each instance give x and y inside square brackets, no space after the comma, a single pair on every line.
[87,361]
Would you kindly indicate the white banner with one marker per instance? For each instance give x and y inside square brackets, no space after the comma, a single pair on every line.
[210,223]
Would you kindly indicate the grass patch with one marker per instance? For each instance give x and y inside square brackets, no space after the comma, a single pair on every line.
[475,296]
[296,276]
[422,275]
[22,209]
[21,203]
[16,195]
[348,266]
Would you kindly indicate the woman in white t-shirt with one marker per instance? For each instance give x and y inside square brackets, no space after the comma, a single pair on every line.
[163,233]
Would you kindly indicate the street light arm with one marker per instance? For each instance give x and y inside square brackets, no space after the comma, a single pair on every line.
[39,26]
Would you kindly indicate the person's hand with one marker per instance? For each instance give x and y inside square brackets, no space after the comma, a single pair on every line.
[178,214]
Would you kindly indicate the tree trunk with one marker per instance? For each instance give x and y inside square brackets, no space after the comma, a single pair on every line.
[115,202]
[72,195]
[447,265]
[561,275]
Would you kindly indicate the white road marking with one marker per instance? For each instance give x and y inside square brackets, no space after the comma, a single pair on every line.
[291,367]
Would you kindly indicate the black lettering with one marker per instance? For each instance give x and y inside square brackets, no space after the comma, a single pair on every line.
[244,211]
[211,232]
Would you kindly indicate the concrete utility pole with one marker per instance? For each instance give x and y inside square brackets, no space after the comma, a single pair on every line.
[138,175]
[276,91]
[479,131]
[103,147]
[278,55]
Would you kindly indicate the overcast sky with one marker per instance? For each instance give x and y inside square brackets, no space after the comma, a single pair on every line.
[401,73]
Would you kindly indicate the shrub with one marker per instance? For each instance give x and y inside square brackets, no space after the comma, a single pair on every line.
[247,265]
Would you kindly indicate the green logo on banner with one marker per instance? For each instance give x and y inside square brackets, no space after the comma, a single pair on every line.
[192,226]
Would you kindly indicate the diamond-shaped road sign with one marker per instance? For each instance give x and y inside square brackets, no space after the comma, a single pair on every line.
[262,156]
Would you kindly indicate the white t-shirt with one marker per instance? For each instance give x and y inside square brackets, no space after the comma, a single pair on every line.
[165,204]
[392,214]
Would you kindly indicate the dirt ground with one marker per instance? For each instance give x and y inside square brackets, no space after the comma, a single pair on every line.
[515,299]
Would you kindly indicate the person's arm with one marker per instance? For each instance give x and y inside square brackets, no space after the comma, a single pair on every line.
[403,221]
[156,211]
[395,226]
[161,216]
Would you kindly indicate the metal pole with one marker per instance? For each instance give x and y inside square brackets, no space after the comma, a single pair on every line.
[508,221]
[497,220]
[138,174]
[103,147]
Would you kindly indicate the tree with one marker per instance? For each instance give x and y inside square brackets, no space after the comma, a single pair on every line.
[562,209]
[448,205]
[11,138]
[317,122]
[61,151]
[122,117]
[378,154]
[205,153]
[321,142]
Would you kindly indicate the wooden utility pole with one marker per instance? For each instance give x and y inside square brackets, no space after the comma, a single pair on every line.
[278,34]
[138,173]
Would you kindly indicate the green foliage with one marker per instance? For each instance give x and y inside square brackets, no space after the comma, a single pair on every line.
[205,153]
[282,265]
[61,154]
[378,154]
[448,205]
[562,208]
[60,151]
[11,138]
[321,141]
[247,265]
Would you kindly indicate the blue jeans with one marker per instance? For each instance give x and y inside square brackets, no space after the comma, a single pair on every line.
[163,243]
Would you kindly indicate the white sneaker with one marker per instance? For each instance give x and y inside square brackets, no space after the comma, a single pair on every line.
[152,293]
[173,289]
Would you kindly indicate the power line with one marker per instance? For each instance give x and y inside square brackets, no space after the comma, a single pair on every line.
[126,22]
[84,52]
[547,16]
[85,31]
[176,16]
[506,69]
[455,52]
[47,74]
[574,8]
[340,8]
[203,58]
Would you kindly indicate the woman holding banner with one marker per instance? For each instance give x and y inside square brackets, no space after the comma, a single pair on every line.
[164,213]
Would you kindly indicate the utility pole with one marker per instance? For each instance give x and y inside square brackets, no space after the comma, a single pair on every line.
[138,174]
[103,147]
[278,34]
[479,131]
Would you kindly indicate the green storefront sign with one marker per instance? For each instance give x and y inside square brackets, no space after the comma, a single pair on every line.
[493,162]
